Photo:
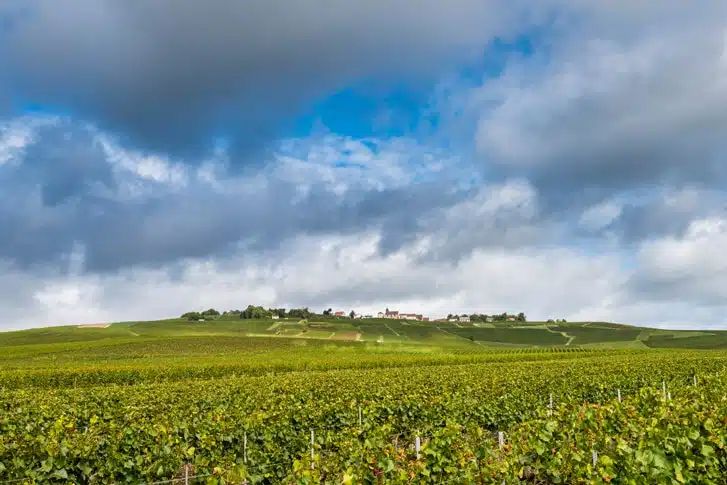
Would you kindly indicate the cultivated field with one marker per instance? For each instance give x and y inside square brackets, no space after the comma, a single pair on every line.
[368,401]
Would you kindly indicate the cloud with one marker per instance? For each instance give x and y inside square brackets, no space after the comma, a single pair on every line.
[690,267]
[71,183]
[342,271]
[349,272]
[613,113]
[173,76]
[585,181]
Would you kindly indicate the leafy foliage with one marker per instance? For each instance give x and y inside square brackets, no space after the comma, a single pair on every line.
[366,422]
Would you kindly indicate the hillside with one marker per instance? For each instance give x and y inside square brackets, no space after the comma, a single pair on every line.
[266,402]
[438,334]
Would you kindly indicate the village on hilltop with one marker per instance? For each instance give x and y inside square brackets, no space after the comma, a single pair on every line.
[259,312]
[397,315]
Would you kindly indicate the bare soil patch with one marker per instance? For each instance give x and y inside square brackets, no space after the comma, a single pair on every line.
[346,336]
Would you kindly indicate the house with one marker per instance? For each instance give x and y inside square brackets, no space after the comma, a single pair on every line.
[511,318]
[395,315]
[357,315]
[425,319]
[464,319]
[340,314]
[454,319]
[368,316]
[489,319]
[275,316]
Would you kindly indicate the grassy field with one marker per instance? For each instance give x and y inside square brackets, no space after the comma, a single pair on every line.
[135,402]
[445,334]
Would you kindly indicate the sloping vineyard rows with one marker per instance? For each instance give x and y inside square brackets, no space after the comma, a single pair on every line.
[75,375]
[259,427]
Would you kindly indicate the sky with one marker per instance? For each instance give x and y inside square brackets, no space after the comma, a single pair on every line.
[563,158]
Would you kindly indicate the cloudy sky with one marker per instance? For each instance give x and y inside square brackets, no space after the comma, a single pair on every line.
[567,160]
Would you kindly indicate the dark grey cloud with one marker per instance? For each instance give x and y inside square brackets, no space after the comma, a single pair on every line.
[606,116]
[64,190]
[668,214]
[66,163]
[170,75]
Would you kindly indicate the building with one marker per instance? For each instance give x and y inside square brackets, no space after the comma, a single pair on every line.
[340,314]
[395,315]
[275,316]
[464,319]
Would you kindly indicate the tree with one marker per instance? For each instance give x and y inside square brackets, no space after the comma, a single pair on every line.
[449,316]
[352,314]
[255,313]
[192,316]
[387,309]
[301,313]
[210,313]
[521,317]
[328,312]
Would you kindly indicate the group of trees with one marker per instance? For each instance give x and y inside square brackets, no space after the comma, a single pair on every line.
[257,312]
[205,315]
[482,317]
[251,312]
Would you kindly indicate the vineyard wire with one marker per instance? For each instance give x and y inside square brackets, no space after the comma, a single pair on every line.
[338,427]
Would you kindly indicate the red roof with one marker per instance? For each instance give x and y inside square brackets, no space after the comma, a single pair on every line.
[340,314]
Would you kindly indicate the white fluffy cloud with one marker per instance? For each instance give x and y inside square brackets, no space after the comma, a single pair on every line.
[671,282]
[343,272]
[690,268]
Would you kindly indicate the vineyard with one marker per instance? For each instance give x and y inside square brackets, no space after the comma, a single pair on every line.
[268,411]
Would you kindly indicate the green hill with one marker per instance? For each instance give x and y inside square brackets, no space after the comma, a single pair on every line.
[437,335]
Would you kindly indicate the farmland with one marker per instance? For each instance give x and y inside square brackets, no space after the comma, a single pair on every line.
[347,402]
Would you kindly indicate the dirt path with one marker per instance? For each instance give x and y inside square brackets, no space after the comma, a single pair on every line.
[570,338]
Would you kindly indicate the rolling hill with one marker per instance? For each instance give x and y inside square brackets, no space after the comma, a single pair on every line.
[438,334]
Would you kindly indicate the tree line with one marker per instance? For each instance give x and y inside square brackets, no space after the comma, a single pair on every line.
[251,312]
